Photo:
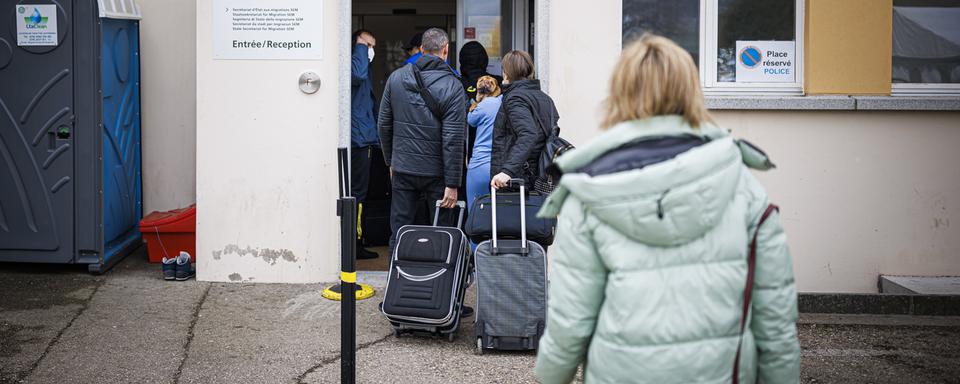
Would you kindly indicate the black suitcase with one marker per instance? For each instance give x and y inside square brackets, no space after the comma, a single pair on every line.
[479,224]
[511,278]
[428,278]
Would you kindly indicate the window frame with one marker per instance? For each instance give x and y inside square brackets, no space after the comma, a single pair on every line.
[709,33]
[924,89]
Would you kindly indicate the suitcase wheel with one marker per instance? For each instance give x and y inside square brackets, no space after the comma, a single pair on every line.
[451,336]
[479,350]
[396,333]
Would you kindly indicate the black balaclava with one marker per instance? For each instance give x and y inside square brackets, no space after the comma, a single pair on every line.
[473,60]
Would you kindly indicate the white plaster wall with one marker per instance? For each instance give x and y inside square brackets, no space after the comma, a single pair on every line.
[266,163]
[169,105]
[862,193]
[584,44]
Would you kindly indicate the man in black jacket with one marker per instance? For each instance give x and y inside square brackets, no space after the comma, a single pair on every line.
[422,131]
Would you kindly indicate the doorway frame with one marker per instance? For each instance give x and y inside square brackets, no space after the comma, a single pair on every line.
[541,32]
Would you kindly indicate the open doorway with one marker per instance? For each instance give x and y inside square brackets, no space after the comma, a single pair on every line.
[499,25]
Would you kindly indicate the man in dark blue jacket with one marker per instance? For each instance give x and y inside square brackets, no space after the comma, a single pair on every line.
[363,125]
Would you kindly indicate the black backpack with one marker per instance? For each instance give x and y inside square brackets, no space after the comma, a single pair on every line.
[548,175]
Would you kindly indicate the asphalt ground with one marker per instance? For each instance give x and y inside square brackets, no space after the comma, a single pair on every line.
[59,324]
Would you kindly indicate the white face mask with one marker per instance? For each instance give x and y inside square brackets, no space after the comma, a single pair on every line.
[370,53]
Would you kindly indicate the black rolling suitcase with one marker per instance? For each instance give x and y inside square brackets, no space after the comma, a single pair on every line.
[511,278]
[428,278]
[479,224]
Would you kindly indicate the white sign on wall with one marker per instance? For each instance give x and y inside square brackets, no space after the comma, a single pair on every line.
[766,62]
[268,29]
[36,25]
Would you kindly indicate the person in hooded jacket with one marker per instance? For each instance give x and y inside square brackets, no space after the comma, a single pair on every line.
[656,218]
[520,130]
[473,65]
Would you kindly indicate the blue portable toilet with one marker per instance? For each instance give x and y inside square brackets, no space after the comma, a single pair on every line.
[70,183]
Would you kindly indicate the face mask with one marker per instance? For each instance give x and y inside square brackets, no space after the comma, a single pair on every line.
[370,53]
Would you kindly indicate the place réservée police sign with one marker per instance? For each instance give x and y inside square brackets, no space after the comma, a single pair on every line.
[766,62]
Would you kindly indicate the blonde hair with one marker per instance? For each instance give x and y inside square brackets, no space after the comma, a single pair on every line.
[655,77]
[486,87]
[517,65]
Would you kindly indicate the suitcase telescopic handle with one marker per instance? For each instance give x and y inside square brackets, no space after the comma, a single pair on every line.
[460,204]
[523,215]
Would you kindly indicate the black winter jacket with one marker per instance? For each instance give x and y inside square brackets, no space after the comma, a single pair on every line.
[519,133]
[414,142]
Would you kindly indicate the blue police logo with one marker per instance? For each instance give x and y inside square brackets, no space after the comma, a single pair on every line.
[750,56]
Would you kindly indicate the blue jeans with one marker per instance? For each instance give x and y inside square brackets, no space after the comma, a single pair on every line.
[478,184]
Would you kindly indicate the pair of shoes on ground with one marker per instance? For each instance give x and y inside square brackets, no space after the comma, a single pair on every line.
[179,268]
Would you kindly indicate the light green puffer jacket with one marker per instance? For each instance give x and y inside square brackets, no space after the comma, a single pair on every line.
[641,299]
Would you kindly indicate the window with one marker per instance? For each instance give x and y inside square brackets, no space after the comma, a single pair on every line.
[926,47]
[672,19]
[741,46]
[488,22]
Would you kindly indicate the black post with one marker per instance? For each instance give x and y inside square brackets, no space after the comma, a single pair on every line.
[347,210]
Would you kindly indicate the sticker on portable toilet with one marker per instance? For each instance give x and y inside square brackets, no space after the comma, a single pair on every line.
[36,25]
[766,62]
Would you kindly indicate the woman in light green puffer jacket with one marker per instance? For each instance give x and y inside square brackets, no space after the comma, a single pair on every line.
[650,261]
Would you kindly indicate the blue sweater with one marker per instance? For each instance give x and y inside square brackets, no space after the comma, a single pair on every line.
[483,118]
[363,124]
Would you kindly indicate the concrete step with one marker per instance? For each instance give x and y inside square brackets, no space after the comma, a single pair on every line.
[920,285]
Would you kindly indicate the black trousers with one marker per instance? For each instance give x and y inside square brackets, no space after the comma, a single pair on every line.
[408,192]
[360,159]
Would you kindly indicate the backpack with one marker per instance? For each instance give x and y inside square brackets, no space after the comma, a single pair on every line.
[548,175]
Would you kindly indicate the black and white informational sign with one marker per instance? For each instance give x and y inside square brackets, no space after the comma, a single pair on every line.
[267,29]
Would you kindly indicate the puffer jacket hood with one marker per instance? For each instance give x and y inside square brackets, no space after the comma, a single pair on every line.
[667,203]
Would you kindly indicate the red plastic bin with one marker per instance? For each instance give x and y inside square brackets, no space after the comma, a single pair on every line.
[168,233]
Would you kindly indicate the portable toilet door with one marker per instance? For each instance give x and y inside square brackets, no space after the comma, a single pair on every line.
[120,87]
[69,132]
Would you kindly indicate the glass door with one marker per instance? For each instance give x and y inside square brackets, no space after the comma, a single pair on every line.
[499,25]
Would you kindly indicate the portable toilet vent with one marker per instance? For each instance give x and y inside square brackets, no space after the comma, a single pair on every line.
[70,189]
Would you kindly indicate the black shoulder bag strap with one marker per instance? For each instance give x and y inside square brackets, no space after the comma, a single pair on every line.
[428,98]
[748,291]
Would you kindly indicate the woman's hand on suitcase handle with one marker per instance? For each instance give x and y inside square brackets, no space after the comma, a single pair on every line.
[500,180]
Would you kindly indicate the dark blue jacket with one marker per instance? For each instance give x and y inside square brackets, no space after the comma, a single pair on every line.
[363,123]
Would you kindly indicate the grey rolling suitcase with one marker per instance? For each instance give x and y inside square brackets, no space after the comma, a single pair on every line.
[428,279]
[511,278]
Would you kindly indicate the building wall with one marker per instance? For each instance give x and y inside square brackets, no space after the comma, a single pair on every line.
[580,61]
[169,105]
[861,193]
[267,162]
